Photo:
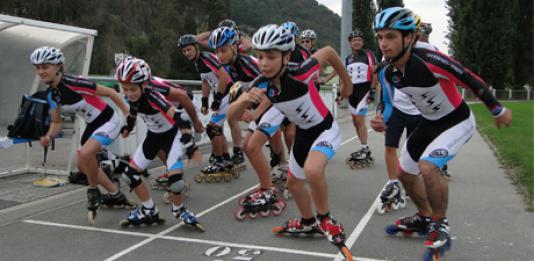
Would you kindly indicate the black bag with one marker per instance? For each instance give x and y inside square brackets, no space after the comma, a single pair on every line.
[33,120]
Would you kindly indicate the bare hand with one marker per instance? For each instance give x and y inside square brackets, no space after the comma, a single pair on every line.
[44,141]
[199,128]
[248,116]
[255,95]
[377,123]
[505,118]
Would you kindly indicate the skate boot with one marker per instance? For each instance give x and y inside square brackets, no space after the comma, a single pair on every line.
[438,240]
[295,227]
[263,201]
[409,225]
[238,160]
[94,198]
[360,159]
[279,179]
[334,233]
[188,217]
[215,172]
[391,198]
[117,201]
[143,215]
[230,166]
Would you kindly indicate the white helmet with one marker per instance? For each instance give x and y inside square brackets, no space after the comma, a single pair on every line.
[133,70]
[308,33]
[273,37]
[47,55]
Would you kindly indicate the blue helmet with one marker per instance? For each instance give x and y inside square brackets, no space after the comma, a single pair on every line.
[223,36]
[292,27]
[397,18]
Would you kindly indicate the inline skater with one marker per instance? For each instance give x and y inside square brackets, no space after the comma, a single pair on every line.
[163,134]
[292,91]
[75,94]
[428,78]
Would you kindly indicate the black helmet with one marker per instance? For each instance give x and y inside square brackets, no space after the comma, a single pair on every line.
[186,39]
[356,33]
[228,23]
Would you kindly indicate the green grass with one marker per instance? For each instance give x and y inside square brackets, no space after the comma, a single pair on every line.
[515,145]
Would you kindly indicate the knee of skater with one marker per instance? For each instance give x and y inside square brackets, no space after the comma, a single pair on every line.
[427,169]
[250,149]
[84,156]
[312,173]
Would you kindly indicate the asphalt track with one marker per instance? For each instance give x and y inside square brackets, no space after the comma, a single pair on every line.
[487,217]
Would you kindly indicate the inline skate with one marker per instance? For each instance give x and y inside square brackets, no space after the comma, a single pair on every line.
[261,201]
[143,215]
[391,198]
[360,159]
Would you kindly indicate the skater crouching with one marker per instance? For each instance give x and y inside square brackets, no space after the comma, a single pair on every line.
[163,135]
[75,94]
[293,92]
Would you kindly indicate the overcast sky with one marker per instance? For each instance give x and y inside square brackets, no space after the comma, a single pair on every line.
[431,11]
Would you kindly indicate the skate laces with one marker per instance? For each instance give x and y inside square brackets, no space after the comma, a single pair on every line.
[411,221]
[185,215]
[435,228]
[329,226]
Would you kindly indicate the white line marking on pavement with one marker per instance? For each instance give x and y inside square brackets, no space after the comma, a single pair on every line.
[158,235]
[87,228]
[191,240]
[363,222]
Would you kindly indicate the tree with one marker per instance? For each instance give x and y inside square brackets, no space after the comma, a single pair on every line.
[383,4]
[480,41]
[363,14]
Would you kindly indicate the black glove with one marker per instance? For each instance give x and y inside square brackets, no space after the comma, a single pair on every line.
[205,102]
[181,123]
[372,94]
[338,96]
[130,124]
[217,101]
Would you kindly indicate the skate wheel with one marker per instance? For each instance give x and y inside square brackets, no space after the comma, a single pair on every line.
[240,213]
[265,213]
[431,255]
[280,205]
[286,194]
[227,178]
[91,218]
[252,215]
[200,227]
[208,178]
[278,229]
[391,229]
[380,209]
[346,253]
[167,198]
[407,233]
[235,174]
[124,223]
[348,161]
[199,178]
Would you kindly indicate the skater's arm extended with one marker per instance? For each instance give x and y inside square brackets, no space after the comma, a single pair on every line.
[112,94]
[181,96]
[222,85]
[329,55]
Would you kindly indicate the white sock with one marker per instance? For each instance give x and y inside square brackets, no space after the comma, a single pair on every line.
[148,204]
[393,181]
[365,146]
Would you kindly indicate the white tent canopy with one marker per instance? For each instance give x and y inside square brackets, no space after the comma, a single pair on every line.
[18,38]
